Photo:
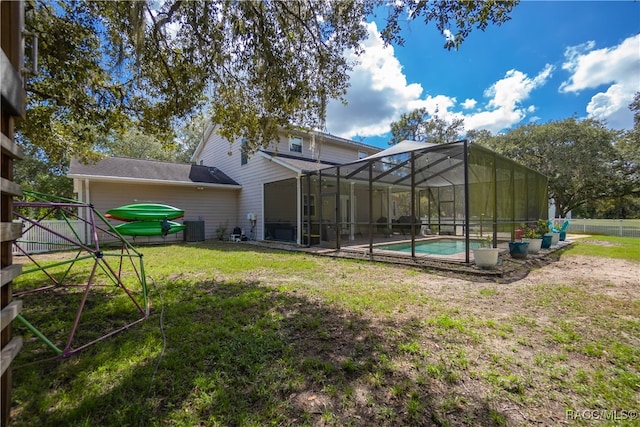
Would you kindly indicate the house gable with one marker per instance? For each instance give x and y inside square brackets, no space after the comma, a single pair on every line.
[293,147]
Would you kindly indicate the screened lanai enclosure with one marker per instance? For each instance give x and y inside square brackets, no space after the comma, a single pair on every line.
[415,199]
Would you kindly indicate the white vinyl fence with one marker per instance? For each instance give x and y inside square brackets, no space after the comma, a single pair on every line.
[608,227]
[38,239]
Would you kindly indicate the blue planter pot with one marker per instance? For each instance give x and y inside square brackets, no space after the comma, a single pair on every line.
[518,249]
[546,241]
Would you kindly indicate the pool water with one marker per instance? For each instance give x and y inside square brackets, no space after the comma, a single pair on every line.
[433,247]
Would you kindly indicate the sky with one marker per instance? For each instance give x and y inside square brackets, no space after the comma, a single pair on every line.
[553,60]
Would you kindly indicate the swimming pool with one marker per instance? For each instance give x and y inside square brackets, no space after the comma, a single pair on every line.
[432,246]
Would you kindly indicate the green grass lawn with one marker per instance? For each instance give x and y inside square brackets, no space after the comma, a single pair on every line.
[249,336]
[608,246]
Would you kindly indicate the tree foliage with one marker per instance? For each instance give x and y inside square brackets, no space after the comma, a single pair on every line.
[134,144]
[35,173]
[107,66]
[580,157]
[38,173]
[420,125]
[626,202]
[624,198]
[189,136]
[478,135]
[455,19]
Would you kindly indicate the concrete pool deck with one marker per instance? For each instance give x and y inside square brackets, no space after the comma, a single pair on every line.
[450,263]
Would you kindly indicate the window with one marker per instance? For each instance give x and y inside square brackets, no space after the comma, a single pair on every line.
[295,144]
[362,155]
[244,158]
[310,207]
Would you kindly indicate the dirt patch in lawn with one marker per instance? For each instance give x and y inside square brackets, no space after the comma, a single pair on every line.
[600,243]
[473,349]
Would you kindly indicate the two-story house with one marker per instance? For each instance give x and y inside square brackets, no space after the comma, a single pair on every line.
[224,188]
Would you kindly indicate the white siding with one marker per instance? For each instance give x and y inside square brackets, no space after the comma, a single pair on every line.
[252,176]
[258,171]
[214,206]
[324,148]
[219,153]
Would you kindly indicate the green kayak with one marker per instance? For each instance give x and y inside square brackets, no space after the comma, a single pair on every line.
[144,212]
[149,228]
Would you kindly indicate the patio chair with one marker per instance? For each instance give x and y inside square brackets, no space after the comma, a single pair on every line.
[236,235]
[563,227]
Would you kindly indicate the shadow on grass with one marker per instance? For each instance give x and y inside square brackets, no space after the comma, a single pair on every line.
[239,353]
[510,270]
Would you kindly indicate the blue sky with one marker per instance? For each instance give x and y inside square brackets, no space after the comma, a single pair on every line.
[551,61]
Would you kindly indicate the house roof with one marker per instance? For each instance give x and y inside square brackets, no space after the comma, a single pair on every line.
[320,135]
[150,171]
[297,164]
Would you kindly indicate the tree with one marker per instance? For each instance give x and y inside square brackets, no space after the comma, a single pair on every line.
[137,145]
[455,19]
[478,135]
[133,143]
[420,125]
[189,136]
[105,66]
[579,158]
[626,201]
[35,173]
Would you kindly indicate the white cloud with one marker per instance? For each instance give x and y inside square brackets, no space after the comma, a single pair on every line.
[378,95]
[505,108]
[617,68]
[439,103]
[612,106]
[469,104]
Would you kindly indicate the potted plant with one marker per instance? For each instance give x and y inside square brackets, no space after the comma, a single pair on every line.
[518,250]
[554,233]
[486,256]
[518,233]
[534,239]
[542,227]
[563,236]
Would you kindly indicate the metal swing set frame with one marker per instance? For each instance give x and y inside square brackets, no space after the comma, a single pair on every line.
[96,225]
